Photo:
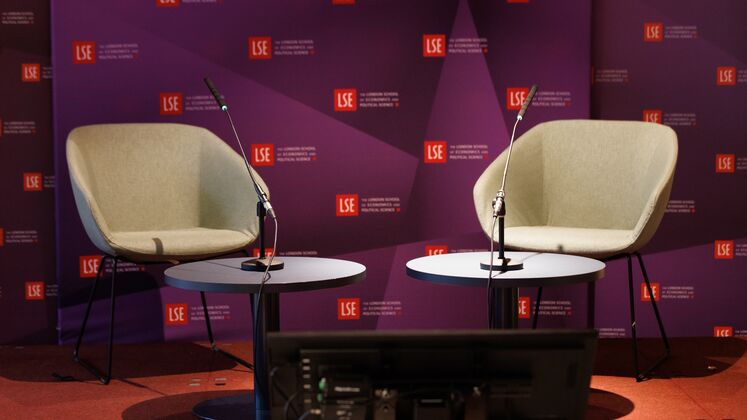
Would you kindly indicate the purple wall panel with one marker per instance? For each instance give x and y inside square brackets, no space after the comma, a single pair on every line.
[454,92]
[664,61]
[28,289]
[683,64]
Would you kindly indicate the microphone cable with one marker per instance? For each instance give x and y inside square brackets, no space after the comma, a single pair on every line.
[266,275]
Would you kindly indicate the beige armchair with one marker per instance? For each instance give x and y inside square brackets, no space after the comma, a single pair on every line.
[591,188]
[159,193]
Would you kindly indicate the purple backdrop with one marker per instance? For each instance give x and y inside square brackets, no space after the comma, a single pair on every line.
[397,105]
[28,288]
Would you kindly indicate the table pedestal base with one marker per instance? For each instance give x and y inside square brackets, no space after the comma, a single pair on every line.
[504,306]
[229,408]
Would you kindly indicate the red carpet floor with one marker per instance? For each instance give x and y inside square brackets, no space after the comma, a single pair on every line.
[706,378]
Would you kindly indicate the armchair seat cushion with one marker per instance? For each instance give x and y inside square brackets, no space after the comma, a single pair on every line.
[177,244]
[595,243]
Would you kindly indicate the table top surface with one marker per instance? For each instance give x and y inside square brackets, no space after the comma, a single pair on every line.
[540,269]
[299,274]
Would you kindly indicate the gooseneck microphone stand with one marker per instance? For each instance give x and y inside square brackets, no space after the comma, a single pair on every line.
[264,208]
[506,298]
[499,205]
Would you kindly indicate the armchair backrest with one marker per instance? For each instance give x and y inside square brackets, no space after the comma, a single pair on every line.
[585,173]
[156,176]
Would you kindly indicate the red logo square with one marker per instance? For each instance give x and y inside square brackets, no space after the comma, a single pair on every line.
[263,154]
[343,1]
[32,181]
[515,97]
[89,265]
[268,252]
[34,290]
[436,249]
[2,237]
[434,151]
[655,288]
[725,163]
[652,115]
[30,72]
[171,103]
[176,314]
[723,331]
[723,250]
[346,100]
[348,309]
[84,52]
[653,32]
[260,47]
[434,45]
[524,307]
[167,3]
[726,76]
[347,205]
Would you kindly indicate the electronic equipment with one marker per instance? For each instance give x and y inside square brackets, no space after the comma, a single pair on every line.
[481,374]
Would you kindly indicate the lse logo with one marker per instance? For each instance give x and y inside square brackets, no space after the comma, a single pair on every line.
[171,103]
[652,115]
[347,205]
[89,265]
[726,76]
[434,45]
[348,309]
[723,250]
[176,314]
[434,152]
[723,331]
[167,3]
[263,154]
[84,52]
[30,72]
[32,181]
[34,290]
[515,97]
[260,47]
[2,237]
[653,32]
[523,308]
[268,252]
[725,163]
[346,100]
[655,289]
[436,250]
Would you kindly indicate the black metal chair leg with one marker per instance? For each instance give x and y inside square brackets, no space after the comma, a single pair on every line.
[104,379]
[213,344]
[537,308]
[667,349]
[638,377]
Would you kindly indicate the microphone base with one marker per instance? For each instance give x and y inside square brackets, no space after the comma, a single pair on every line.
[260,264]
[506,264]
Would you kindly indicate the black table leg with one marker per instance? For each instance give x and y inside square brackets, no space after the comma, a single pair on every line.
[254,405]
[504,304]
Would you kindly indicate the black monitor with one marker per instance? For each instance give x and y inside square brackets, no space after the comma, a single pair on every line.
[433,375]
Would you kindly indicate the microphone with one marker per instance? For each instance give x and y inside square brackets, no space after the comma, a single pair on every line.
[258,188]
[216,95]
[524,107]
